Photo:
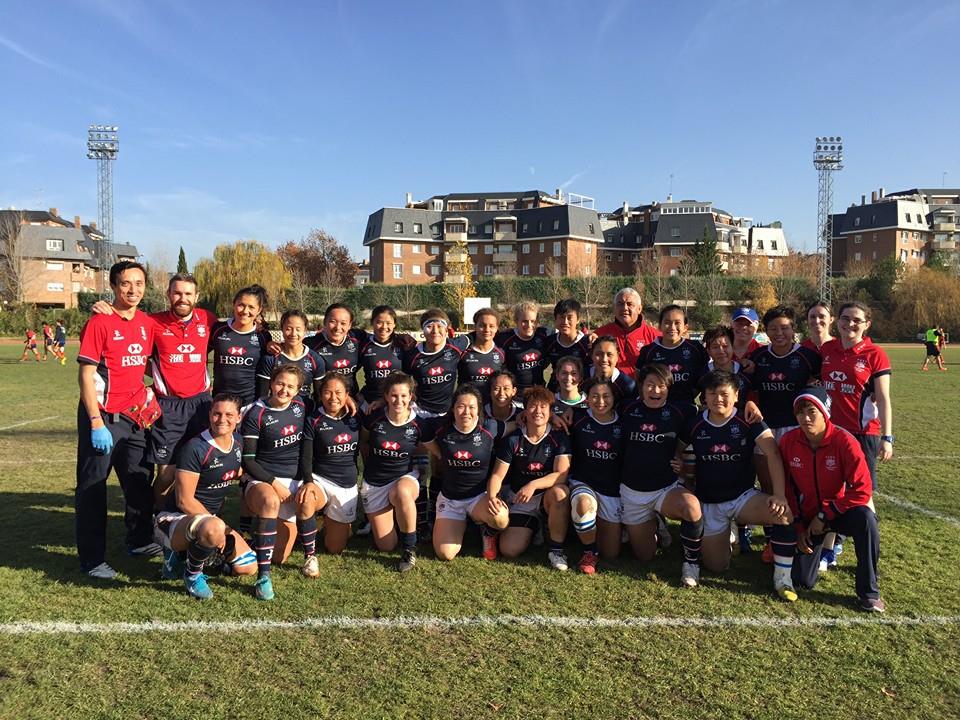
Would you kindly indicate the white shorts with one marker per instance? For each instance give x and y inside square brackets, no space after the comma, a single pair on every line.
[427,414]
[341,502]
[164,525]
[377,497]
[777,434]
[640,507]
[609,509]
[718,516]
[288,508]
[456,509]
[519,508]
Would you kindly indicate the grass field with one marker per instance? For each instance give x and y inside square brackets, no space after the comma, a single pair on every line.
[503,639]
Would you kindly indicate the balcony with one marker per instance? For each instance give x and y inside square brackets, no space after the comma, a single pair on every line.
[504,257]
[452,256]
[455,279]
[945,226]
[945,244]
[454,237]
[505,236]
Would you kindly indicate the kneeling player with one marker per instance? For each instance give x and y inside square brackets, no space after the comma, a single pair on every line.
[208,466]
[723,444]
[534,462]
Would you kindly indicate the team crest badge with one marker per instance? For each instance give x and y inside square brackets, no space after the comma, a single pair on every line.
[831,462]
[297,411]
[201,330]
[735,430]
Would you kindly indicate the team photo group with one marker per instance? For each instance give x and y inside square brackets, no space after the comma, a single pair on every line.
[590,441]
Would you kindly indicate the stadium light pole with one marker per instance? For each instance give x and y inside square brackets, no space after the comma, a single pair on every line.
[827,159]
[103,145]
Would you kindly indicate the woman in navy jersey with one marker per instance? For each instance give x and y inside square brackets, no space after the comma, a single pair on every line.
[687,360]
[328,466]
[293,325]
[464,447]
[524,346]
[567,340]
[389,438]
[503,404]
[380,353]
[482,358]
[718,342]
[272,433]
[433,364]
[723,444]
[648,483]
[338,343]
[569,375]
[605,357]
[534,463]
[597,440]
[239,343]
[189,523]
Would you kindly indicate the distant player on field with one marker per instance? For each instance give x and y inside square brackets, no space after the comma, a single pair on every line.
[934,341]
[30,345]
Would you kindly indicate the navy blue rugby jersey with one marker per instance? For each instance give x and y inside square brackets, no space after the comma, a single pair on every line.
[597,453]
[332,445]
[392,446]
[467,458]
[555,350]
[724,456]
[744,384]
[687,362]
[624,383]
[378,361]
[529,460]
[524,358]
[343,358]
[278,434]
[649,444]
[435,373]
[476,367]
[217,468]
[236,356]
[312,365]
[778,380]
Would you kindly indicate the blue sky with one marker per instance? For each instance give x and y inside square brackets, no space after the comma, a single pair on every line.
[264,120]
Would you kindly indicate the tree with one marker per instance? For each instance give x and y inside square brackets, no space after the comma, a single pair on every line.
[924,298]
[182,268]
[939,261]
[553,269]
[708,290]
[12,277]
[648,269]
[319,259]
[236,265]
[593,287]
[883,278]
[458,277]
[704,256]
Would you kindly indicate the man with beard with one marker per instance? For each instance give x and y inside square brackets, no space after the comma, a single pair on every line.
[629,329]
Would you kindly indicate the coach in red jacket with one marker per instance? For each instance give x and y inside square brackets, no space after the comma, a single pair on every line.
[629,328]
[829,489]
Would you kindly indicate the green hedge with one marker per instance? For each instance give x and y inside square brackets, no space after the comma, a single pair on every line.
[14,323]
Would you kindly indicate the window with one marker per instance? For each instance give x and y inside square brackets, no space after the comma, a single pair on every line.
[674,232]
[417,249]
[525,270]
[856,256]
[434,249]
[476,270]
[525,248]
[771,264]
[916,236]
[556,225]
[488,249]
[904,235]
[397,250]
[590,227]
[55,245]
[455,228]
[874,237]
[540,227]
[587,249]
[54,287]
[587,270]
[903,255]
[474,249]
[398,227]
[620,257]
[557,248]
[873,219]
[524,226]
[907,216]
[435,270]
[397,271]
[472,230]
[856,222]
[674,271]
[488,270]
[76,268]
[541,269]
[675,252]
[541,247]
[857,239]
[488,228]
[874,254]
[415,269]
[773,244]
[759,244]
[418,228]
[54,266]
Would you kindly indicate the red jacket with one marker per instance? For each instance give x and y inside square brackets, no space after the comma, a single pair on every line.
[833,478]
[629,343]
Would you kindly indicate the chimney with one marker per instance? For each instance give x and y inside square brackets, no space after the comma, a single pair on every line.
[559,194]
[863,199]
[76,221]
[873,196]
[53,211]
[409,199]
[646,222]
[626,208]
[93,225]
[881,193]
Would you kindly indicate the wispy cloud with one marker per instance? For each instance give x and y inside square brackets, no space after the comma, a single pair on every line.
[571,180]
[608,19]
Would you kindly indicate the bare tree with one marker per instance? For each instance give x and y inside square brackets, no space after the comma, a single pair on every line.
[12,277]
[648,263]
[330,278]
[297,293]
[593,286]
[553,269]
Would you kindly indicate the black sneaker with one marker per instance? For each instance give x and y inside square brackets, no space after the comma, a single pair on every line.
[873,605]
[408,560]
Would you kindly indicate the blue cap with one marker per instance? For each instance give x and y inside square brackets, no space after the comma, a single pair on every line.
[816,395]
[746,312]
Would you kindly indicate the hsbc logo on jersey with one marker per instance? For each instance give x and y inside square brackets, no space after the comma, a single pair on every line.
[676,367]
[387,445]
[721,452]
[185,348]
[381,364]
[485,371]
[342,363]
[288,430]
[535,467]
[602,445]
[342,438]
[530,356]
[795,462]
[434,371]
[838,375]
[136,357]
[135,349]
[463,458]
[777,376]
[648,427]
[229,475]
[237,351]
[463,455]
[720,448]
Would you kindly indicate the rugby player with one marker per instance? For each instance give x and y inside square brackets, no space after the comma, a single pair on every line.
[60,338]
[629,330]
[524,346]
[819,319]
[534,462]
[30,345]
[568,340]
[338,343]
[606,366]
[238,345]
[189,522]
[745,322]
[482,358]
[381,354]
[687,360]
[293,351]
[503,404]
[111,431]
[568,374]
[933,340]
[50,345]
[273,429]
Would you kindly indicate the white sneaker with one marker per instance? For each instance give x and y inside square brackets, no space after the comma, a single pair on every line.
[102,572]
[689,575]
[663,532]
[823,565]
[364,529]
[558,560]
[310,567]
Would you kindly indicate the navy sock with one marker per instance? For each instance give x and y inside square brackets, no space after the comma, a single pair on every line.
[408,540]
[554,545]
[590,547]
[197,555]
[265,537]
[307,530]
[245,524]
[691,537]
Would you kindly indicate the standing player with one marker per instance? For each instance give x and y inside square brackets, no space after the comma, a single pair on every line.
[464,445]
[48,344]
[596,437]
[482,358]
[934,342]
[30,346]
[380,353]
[503,405]
[60,338]
[293,351]
[189,523]
[110,423]
[723,444]
[524,346]
[856,375]
[338,343]
[687,360]
[819,320]
[433,364]
[606,366]
[272,433]
[568,340]
[648,484]
[238,344]
[628,329]
[534,462]
[745,322]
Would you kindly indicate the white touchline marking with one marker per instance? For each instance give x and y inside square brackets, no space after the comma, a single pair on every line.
[926,457]
[28,422]
[418,622]
[907,505]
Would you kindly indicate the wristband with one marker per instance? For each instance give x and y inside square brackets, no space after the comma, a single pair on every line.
[887,438]
[95,417]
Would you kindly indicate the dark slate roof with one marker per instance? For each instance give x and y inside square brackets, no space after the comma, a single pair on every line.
[34,239]
[492,195]
[926,192]
[39,216]
[690,224]
[874,215]
[630,236]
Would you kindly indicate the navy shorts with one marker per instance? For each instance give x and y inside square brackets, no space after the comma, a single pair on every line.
[932,349]
[182,420]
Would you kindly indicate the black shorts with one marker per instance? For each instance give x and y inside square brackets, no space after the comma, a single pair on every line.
[932,349]
[182,420]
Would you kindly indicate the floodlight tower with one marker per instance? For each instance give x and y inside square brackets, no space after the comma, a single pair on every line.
[103,146]
[827,159]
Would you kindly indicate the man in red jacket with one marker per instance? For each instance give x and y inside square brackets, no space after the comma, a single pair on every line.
[629,328]
[829,490]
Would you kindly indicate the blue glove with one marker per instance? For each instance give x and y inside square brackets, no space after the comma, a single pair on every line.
[102,440]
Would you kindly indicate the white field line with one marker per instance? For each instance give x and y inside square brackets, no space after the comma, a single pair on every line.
[428,622]
[926,457]
[907,505]
[28,422]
